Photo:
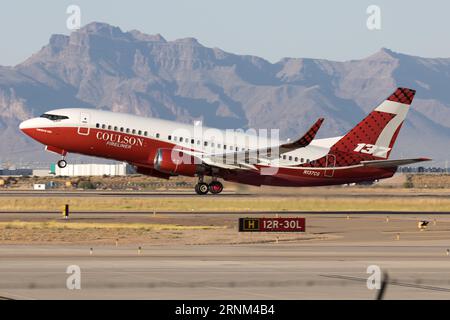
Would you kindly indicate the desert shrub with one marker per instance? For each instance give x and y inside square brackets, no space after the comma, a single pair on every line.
[86,185]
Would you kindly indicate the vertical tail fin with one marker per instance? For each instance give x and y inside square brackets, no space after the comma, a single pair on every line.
[374,137]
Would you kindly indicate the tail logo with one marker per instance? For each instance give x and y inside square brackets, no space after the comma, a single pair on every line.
[377,151]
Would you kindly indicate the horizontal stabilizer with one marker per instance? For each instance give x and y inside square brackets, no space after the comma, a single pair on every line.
[392,163]
[306,139]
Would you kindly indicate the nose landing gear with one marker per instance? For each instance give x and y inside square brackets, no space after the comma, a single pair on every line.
[62,163]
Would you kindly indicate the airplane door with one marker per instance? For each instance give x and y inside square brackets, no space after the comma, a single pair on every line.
[331,163]
[84,129]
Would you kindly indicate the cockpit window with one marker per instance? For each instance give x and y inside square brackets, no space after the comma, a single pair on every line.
[53,117]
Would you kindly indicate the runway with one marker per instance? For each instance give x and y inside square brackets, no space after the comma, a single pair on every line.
[303,193]
[328,261]
[268,271]
[43,213]
[112,194]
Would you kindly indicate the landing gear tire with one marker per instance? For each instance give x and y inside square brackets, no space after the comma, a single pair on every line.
[215,187]
[62,163]
[201,188]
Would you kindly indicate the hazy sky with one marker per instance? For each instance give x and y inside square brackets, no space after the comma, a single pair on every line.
[270,29]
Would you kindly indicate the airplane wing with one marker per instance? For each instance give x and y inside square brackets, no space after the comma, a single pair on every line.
[244,160]
[229,166]
[305,140]
[259,155]
[392,163]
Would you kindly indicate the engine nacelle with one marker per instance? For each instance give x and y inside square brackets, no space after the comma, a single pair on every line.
[152,172]
[176,162]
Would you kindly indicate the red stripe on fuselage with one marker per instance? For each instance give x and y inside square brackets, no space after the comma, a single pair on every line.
[100,143]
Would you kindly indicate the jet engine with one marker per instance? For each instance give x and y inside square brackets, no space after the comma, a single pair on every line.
[176,162]
[152,172]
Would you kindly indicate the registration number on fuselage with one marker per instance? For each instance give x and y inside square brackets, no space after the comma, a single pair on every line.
[311,173]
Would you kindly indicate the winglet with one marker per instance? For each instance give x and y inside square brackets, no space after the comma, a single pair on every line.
[306,139]
[403,95]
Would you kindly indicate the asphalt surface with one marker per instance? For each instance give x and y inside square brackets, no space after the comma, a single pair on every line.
[188,194]
[335,268]
[18,213]
[265,271]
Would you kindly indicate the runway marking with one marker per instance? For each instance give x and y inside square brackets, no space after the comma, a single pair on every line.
[392,282]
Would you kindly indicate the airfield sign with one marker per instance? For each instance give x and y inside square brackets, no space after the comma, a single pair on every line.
[271,224]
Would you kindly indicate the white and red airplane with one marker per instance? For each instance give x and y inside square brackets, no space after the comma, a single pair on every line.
[163,148]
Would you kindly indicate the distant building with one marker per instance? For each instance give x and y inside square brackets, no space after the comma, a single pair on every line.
[41,172]
[16,172]
[91,169]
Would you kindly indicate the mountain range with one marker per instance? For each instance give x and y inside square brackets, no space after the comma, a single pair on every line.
[100,66]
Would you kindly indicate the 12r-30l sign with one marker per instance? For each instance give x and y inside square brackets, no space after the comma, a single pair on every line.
[271,224]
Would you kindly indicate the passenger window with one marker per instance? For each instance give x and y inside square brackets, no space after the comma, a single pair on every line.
[296,159]
[198,142]
[97,125]
[115,128]
[181,139]
[139,132]
[192,141]
[224,147]
[302,160]
[134,131]
[103,126]
[290,158]
[169,138]
[157,135]
[219,145]
[121,129]
[212,144]
[284,157]
[145,133]
[109,127]
[206,143]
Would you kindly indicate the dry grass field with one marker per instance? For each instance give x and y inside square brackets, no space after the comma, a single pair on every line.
[229,203]
[135,230]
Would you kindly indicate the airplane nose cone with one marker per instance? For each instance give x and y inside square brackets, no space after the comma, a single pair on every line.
[28,127]
[24,125]
[27,124]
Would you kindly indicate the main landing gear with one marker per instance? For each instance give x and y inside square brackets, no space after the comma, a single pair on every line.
[202,188]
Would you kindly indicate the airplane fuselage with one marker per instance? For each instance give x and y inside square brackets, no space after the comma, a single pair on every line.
[136,140]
